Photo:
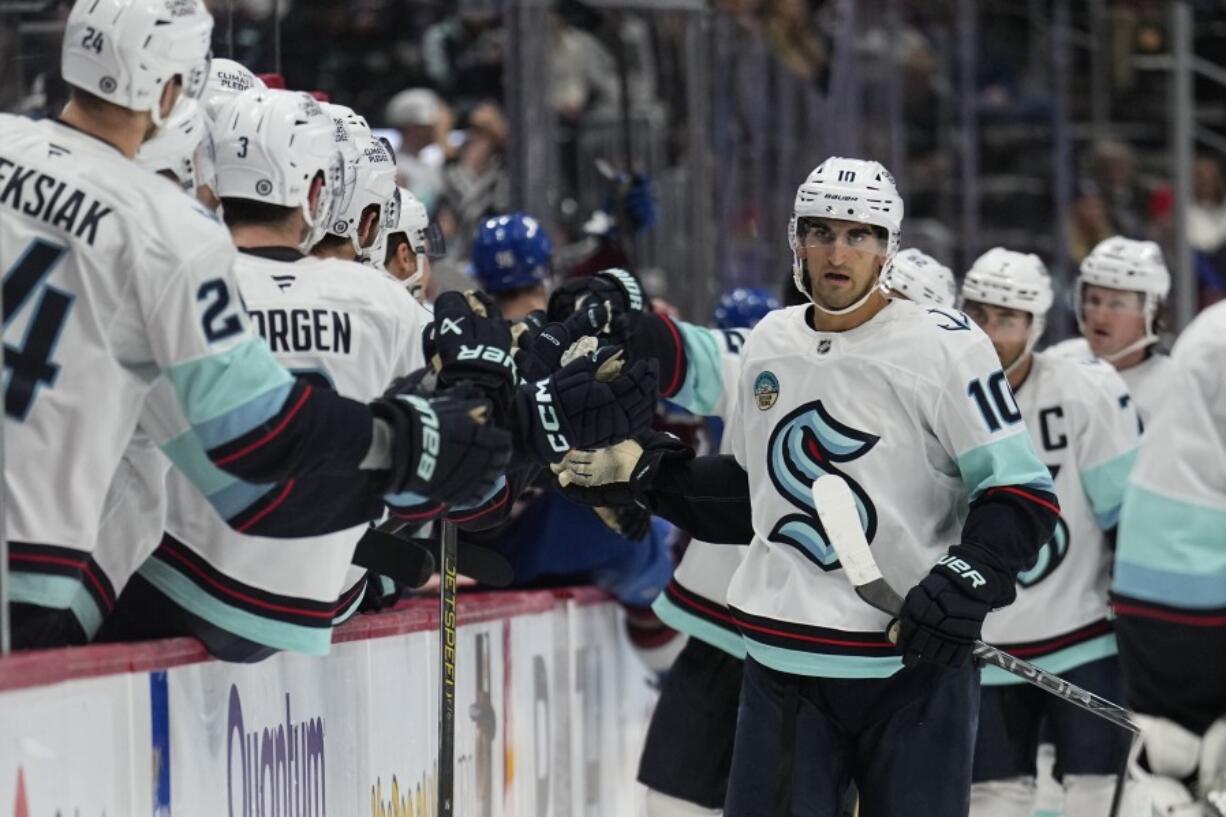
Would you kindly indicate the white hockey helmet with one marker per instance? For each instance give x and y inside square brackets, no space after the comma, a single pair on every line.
[1129,265]
[1012,280]
[852,190]
[227,79]
[407,216]
[270,146]
[175,146]
[374,185]
[125,51]
[357,124]
[920,277]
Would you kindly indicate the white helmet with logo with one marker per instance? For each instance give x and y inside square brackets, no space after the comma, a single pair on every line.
[1130,265]
[407,216]
[270,146]
[357,124]
[227,79]
[374,185]
[1012,280]
[920,277]
[125,51]
[176,145]
[850,190]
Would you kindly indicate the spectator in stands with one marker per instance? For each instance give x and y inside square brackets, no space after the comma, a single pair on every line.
[476,184]
[464,53]
[1207,227]
[424,122]
[1113,168]
[1089,223]
[789,28]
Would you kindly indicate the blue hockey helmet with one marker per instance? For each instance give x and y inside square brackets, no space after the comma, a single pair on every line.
[511,252]
[744,307]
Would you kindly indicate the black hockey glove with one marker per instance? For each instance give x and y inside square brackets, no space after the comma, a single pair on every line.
[592,401]
[472,346]
[617,287]
[443,448]
[545,351]
[942,616]
[629,521]
[619,475]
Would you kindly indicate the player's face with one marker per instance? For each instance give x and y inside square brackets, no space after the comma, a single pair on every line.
[1112,318]
[843,258]
[1008,329]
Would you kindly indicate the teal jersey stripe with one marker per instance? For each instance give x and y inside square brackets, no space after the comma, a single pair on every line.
[1008,461]
[1095,649]
[192,598]
[352,610]
[212,387]
[245,418]
[704,376]
[822,665]
[1105,485]
[686,622]
[1171,535]
[1182,590]
[58,593]
[189,456]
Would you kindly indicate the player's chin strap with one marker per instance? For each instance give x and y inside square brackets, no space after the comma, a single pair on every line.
[1144,342]
[847,310]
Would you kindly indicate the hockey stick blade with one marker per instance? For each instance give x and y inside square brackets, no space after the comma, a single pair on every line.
[836,508]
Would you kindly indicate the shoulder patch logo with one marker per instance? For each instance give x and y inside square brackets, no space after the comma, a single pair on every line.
[766,390]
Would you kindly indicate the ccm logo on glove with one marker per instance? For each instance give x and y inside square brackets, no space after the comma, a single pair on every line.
[961,568]
[429,436]
[549,419]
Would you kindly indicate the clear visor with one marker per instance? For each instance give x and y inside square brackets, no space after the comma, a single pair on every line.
[431,242]
[1092,297]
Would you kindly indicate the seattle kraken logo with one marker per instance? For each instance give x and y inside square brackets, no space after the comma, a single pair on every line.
[804,446]
[1050,556]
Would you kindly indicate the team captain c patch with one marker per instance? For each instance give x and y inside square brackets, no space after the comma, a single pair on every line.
[766,390]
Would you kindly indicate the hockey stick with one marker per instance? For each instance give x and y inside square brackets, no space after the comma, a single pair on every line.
[447,663]
[836,507]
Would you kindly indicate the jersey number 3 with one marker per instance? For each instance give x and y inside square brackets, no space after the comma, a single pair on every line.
[29,365]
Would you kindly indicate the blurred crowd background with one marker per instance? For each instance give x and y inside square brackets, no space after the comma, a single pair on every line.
[1040,125]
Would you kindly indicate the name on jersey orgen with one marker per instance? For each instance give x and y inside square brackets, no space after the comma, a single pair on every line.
[50,200]
[304,330]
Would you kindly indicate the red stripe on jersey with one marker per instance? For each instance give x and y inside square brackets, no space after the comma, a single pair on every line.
[272,506]
[267,438]
[1189,619]
[874,645]
[678,352]
[1010,489]
[477,514]
[82,566]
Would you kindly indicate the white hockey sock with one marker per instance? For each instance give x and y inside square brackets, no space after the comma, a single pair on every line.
[1003,798]
[662,805]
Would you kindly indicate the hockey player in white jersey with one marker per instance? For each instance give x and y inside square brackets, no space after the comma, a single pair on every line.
[911,407]
[919,277]
[335,322]
[407,242]
[1170,585]
[1120,296]
[359,216]
[113,277]
[1084,427]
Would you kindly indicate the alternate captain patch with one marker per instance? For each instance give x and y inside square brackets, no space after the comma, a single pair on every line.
[766,390]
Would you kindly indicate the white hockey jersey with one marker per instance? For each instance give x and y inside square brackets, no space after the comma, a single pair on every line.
[112,276]
[1147,381]
[1170,559]
[913,410]
[695,601]
[1084,427]
[344,325]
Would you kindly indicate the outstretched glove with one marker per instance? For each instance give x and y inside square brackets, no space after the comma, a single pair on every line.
[942,616]
[620,289]
[592,401]
[635,199]
[469,343]
[543,352]
[443,448]
[619,475]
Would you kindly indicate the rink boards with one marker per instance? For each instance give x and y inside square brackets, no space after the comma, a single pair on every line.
[551,707]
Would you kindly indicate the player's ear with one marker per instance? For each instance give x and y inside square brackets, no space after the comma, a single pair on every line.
[368,226]
[170,95]
[406,257]
[317,190]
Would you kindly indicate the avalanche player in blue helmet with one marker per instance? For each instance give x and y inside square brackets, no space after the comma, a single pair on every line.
[743,307]
[550,539]
[512,260]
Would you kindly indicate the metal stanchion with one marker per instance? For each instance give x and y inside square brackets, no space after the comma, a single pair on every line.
[1182,133]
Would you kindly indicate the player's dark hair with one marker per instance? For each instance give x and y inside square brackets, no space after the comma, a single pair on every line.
[332,241]
[248,212]
[394,241]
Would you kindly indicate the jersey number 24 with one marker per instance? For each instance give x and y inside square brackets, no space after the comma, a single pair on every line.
[29,365]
